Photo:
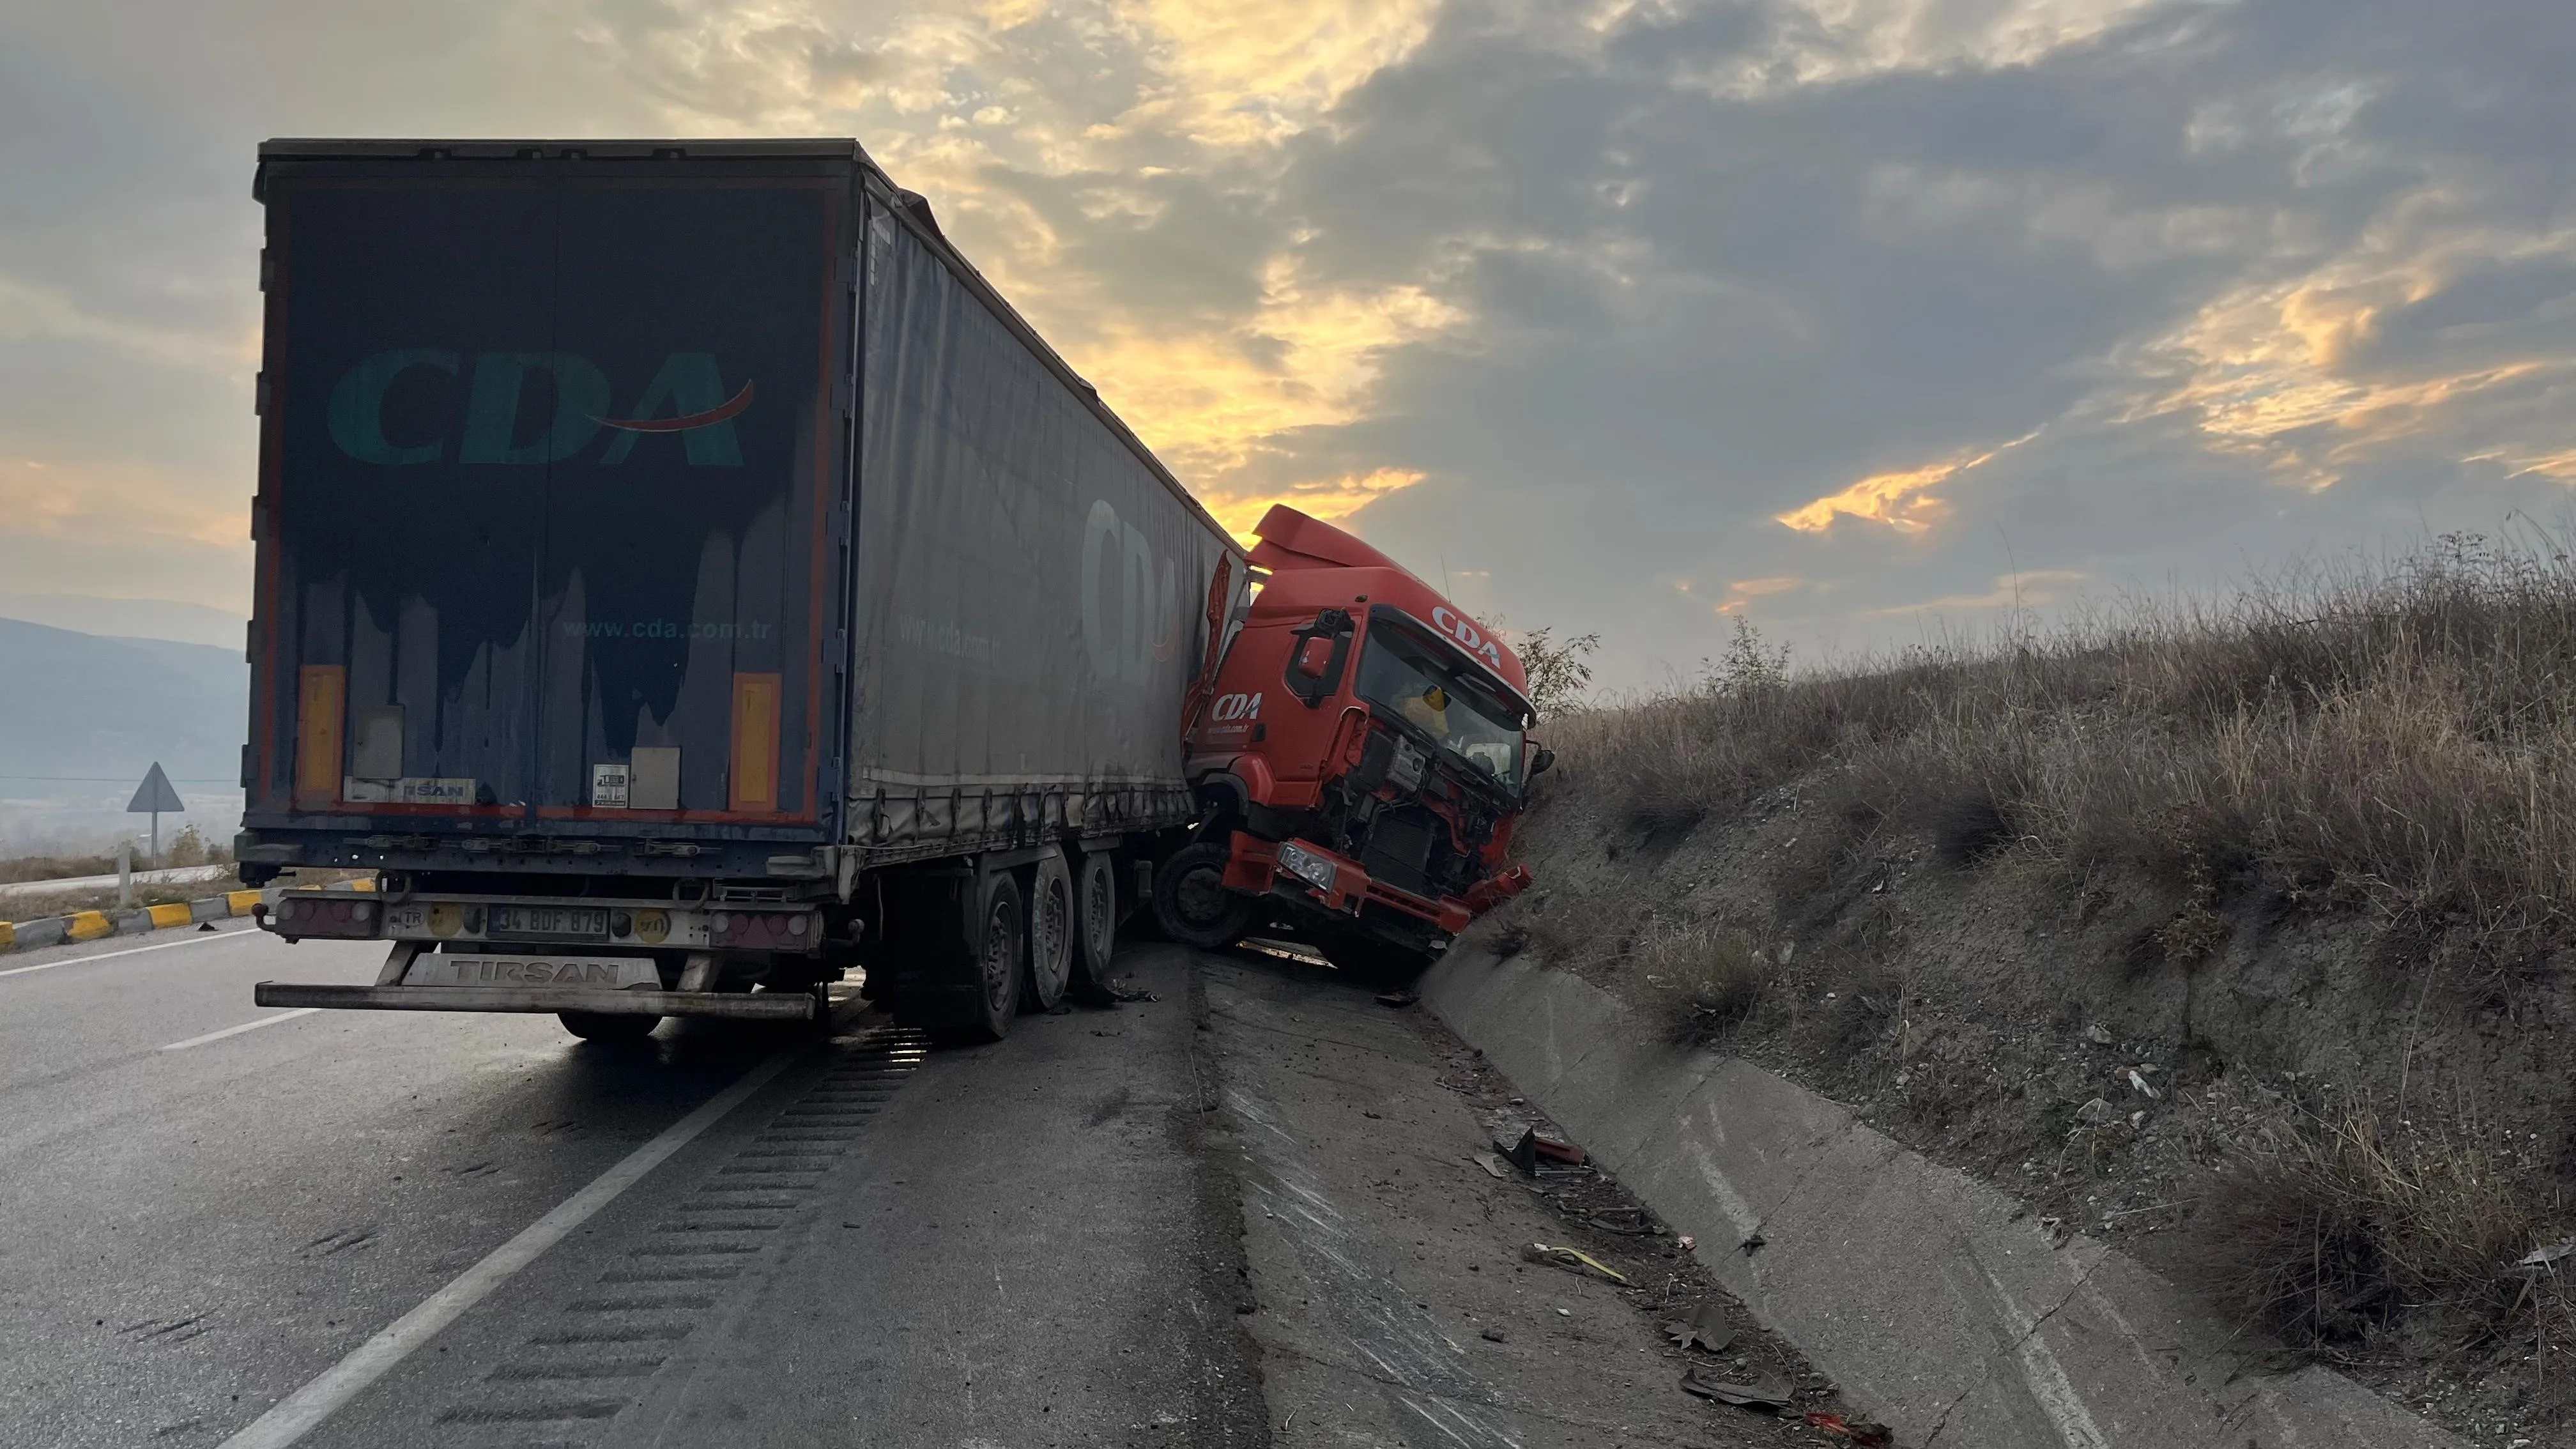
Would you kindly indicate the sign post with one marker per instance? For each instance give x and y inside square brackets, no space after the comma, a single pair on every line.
[153,796]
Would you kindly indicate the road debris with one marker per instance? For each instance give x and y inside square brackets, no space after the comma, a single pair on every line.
[1526,1149]
[1852,1431]
[1767,1391]
[2543,1257]
[2140,1082]
[1492,1164]
[1639,1226]
[1573,1260]
[2099,1035]
[1396,998]
[1492,1335]
[1706,1328]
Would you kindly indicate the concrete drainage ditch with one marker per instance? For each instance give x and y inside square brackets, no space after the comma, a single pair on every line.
[1929,1297]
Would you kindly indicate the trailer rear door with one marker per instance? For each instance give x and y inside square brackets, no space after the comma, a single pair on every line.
[547,482]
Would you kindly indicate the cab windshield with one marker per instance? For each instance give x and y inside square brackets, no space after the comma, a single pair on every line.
[1408,680]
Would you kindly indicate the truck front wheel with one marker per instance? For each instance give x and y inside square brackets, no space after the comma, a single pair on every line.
[1191,902]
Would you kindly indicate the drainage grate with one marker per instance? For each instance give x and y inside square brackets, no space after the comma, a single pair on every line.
[574,1379]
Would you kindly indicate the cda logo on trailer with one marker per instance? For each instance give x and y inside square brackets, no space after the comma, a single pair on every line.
[687,387]
[1131,610]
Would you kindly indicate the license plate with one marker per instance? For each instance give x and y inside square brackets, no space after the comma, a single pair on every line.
[573,923]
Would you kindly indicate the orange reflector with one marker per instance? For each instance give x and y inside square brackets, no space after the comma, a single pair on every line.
[322,698]
[755,743]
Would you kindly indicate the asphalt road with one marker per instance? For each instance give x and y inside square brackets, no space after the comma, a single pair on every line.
[222,1225]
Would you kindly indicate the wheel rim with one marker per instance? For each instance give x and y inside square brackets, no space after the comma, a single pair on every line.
[1096,909]
[1201,896]
[1054,936]
[999,932]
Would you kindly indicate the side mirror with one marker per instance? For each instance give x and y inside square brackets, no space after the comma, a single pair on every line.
[1542,762]
[1314,659]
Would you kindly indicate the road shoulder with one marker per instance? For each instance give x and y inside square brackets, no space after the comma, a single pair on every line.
[1393,1304]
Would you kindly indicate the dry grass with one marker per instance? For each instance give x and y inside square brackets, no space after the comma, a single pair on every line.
[1698,980]
[189,847]
[2335,1230]
[2402,733]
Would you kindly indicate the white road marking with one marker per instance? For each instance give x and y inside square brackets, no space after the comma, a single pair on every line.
[193,940]
[298,1413]
[197,1041]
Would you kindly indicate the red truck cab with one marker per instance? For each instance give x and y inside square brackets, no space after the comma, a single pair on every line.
[1359,755]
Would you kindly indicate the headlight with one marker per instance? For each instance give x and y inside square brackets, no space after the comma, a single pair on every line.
[1307,866]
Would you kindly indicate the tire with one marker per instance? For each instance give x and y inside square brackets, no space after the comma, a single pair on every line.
[1051,929]
[1000,941]
[607,1026]
[1191,902]
[1095,918]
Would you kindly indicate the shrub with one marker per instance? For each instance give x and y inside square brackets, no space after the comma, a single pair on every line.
[1698,980]
[2330,1232]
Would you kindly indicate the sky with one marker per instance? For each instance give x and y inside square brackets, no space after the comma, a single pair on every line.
[1863,320]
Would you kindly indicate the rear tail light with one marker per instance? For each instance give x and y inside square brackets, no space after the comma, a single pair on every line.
[315,916]
[762,930]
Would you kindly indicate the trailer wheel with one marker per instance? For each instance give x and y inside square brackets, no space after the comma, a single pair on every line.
[1191,902]
[1051,948]
[607,1026]
[1096,916]
[1000,939]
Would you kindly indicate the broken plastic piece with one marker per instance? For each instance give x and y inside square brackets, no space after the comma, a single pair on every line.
[1396,998]
[1706,1328]
[1520,1152]
[1853,1431]
[1491,1164]
[1561,1151]
[1573,1260]
[1765,1392]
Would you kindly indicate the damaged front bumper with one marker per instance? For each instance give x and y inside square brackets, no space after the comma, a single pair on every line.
[1305,872]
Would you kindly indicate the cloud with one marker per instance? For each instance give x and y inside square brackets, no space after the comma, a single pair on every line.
[1898,500]
[1573,300]
[2010,591]
[32,314]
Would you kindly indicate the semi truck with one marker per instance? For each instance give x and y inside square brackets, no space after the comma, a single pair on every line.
[683,580]
[1359,760]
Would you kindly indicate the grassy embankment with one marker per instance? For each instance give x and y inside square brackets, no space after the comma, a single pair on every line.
[2310,846]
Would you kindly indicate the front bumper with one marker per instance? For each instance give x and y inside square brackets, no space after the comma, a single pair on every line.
[1252,866]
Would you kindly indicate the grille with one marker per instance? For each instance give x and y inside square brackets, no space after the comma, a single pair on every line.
[1401,847]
